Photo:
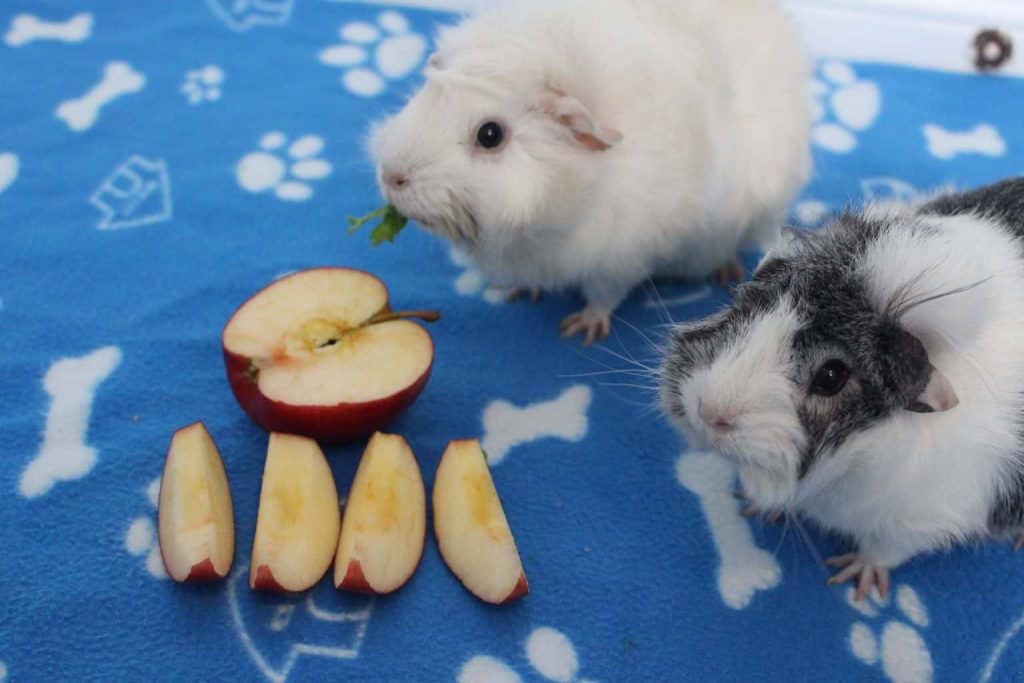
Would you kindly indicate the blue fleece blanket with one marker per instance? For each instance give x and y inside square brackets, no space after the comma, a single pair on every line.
[159,162]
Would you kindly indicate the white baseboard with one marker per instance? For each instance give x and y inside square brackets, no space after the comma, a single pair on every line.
[929,34]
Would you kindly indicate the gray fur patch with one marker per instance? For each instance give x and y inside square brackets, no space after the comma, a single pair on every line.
[889,367]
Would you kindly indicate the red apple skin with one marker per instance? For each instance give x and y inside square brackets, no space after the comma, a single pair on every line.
[355,580]
[204,571]
[265,581]
[338,423]
[200,573]
[522,588]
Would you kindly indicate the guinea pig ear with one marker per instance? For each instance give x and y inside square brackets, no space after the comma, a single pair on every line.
[575,116]
[904,362]
[938,396]
[770,259]
[777,256]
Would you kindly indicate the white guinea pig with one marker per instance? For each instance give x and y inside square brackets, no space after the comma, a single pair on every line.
[871,378]
[595,143]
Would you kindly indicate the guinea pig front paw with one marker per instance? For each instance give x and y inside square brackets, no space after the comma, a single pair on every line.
[593,323]
[751,510]
[854,567]
[770,516]
[730,272]
[531,293]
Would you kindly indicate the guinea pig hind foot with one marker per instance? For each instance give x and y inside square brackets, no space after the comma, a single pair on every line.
[530,293]
[1019,543]
[750,510]
[771,517]
[593,323]
[854,567]
[727,274]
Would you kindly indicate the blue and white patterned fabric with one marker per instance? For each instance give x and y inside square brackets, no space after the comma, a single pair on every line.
[161,161]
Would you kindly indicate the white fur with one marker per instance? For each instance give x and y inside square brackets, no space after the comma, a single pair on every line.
[916,481]
[707,95]
[911,482]
[749,383]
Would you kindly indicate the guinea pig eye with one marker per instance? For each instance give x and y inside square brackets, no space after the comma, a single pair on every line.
[490,135]
[830,378]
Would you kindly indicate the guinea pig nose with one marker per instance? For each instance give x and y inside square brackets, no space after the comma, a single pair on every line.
[720,420]
[396,181]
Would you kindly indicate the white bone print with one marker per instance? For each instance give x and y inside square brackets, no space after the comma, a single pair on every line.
[119,78]
[64,454]
[744,569]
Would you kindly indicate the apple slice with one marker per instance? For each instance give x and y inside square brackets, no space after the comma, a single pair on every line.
[195,519]
[385,521]
[320,353]
[298,519]
[471,528]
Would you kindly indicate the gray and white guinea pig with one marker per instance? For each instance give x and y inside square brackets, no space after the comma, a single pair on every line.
[870,378]
[594,143]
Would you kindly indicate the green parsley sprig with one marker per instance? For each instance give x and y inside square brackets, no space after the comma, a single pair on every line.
[391,223]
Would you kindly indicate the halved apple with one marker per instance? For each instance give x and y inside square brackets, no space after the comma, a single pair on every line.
[196,523]
[385,521]
[320,353]
[472,532]
[298,520]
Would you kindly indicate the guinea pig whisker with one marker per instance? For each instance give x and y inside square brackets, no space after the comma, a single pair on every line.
[806,537]
[649,408]
[662,309]
[611,371]
[898,301]
[904,300]
[979,369]
[654,346]
[782,535]
[924,299]
[628,359]
[644,387]
[654,406]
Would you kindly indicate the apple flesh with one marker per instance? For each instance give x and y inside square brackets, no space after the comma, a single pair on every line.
[385,520]
[472,531]
[196,522]
[298,520]
[319,353]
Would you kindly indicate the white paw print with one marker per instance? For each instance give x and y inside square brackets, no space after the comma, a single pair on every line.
[889,190]
[655,299]
[896,192]
[268,169]
[810,212]
[550,653]
[881,192]
[899,647]
[842,105]
[472,283]
[374,54]
[203,85]
[8,169]
[141,540]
